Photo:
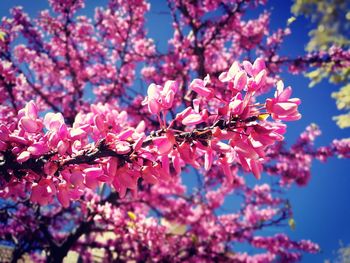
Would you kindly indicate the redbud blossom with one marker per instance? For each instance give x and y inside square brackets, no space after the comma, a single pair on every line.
[282,107]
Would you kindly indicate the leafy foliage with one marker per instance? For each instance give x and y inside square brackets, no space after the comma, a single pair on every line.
[332,26]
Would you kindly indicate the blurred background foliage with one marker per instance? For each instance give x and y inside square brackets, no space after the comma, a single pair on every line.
[330,22]
[342,255]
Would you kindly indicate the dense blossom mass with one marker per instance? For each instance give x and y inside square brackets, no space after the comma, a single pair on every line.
[55,160]
[93,163]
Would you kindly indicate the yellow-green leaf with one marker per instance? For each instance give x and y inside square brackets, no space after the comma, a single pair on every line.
[263,117]
[343,120]
[174,227]
[194,238]
[313,74]
[347,15]
[132,216]
[291,223]
[2,36]
[291,20]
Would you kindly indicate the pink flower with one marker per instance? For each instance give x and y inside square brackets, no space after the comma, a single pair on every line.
[92,175]
[112,166]
[50,168]
[24,156]
[262,136]
[164,143]
[160,98]
[76,178]
[193,116]
[3,146]
[62,147]
[149,175]
[122,147]
[30,122]
[126,178]
[256,167]
[4,133]
[63,195]
[256,68]
[119,187]
[199,86]
[225,166]
[187,154]
[43,192]
[258,73]
[53,121]
[208,159]
[29,125]
[229,75]
[236,77]
[77,133]
[236,105]
[282,107]
[38,148]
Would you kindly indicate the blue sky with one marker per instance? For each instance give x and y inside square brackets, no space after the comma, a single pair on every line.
[321,209]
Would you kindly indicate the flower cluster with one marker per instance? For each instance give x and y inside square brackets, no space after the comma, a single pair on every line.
[237,132]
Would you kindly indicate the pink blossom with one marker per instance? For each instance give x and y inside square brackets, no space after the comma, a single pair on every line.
[43,192]
[92,176]
[63,195]
[160,98]
[29,121]
[53,121]
[164,143]
[24,156]
[199,86]
[192,116]
[231,73]
[38,148]
[256,68]
[282,107]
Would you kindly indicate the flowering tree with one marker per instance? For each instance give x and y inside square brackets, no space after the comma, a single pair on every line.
[91,163]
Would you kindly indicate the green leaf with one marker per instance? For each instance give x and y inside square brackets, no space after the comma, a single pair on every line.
[291,223]
[132,216]
[2,36]
[291,20]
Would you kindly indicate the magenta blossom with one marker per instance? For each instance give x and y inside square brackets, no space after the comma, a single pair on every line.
[160,98]
[282,107]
